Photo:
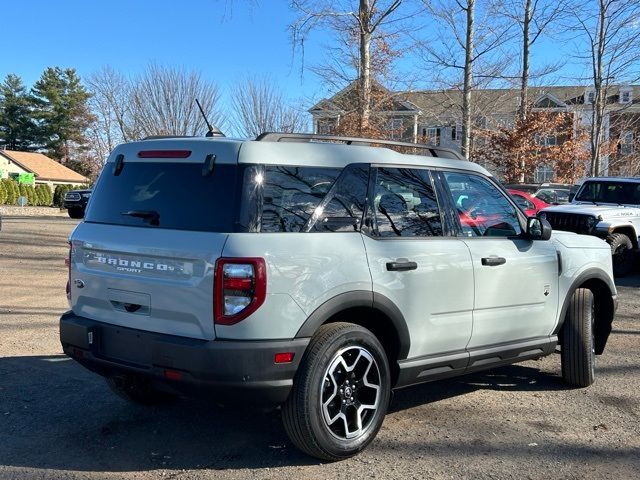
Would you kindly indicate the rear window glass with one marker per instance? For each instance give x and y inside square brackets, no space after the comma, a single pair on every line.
[178,193]
[291,195]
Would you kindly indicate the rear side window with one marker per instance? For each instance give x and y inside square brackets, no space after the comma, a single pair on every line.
[178,193]
[405,203]
[292,194]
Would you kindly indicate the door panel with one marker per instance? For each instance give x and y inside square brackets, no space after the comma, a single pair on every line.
[516,279]
[427,276]
[516,300]
[436,299]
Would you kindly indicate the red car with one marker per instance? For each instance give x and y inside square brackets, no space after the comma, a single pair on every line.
[530,204]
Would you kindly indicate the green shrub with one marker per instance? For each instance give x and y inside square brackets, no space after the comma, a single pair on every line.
[12,191]
[3,194]
[43,193]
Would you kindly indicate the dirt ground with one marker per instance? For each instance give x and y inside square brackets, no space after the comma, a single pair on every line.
[58,420]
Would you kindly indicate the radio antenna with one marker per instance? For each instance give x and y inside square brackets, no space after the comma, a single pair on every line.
[213,131]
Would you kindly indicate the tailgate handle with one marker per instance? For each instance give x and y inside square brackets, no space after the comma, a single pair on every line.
[493,261]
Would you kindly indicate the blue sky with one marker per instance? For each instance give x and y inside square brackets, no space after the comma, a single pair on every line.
[225,44]
[201,34]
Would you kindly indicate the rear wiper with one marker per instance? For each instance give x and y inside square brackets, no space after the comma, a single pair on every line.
[151,215]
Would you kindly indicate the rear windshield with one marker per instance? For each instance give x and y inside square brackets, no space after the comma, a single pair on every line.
[165,195]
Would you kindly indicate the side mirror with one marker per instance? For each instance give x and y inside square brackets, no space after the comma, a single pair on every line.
[538,229]
[571,197]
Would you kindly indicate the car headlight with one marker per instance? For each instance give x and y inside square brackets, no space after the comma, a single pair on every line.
[591,222]
[543,216]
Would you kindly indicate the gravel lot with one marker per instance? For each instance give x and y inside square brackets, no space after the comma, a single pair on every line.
[59,421]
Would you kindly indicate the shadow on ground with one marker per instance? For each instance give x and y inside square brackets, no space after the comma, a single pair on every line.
[56,415]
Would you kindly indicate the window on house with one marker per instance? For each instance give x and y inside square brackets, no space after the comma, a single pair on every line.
[626,143]
[431,135]
[325,127]
[591,96]
[543,174]
[546,140]
[625,96]
[394,127]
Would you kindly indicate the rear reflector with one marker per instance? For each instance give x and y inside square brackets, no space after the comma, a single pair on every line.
[173,375]
[164,153]
[285,357]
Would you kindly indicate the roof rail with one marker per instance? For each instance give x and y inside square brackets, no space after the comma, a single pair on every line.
[430,150]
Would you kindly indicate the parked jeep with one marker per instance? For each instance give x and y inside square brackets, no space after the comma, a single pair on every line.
[608,208]
[320,273]
[75,201]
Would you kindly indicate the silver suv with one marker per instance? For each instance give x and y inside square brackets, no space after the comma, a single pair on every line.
[609,208]
[320,273]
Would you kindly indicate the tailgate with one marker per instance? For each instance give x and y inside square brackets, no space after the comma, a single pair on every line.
[156,222]
[153,280]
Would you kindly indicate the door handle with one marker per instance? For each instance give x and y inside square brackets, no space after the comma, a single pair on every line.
[493,261]
[401,266]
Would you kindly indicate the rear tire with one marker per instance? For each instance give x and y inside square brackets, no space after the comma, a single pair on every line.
[578,342]
[621,254]
[137,390]
[340,393]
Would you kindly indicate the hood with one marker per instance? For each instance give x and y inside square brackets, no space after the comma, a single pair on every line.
[573,240]
[606,210]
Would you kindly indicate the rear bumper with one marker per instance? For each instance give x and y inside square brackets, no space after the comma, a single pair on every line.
[227,370]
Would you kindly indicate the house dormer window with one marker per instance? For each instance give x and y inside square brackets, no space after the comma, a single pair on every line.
[626,96]
[590,97]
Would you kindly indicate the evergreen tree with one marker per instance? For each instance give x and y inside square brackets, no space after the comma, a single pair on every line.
[17,128]
[62,110]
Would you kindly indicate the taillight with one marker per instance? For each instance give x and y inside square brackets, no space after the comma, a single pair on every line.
[240,288]
[68,262]
[164,154]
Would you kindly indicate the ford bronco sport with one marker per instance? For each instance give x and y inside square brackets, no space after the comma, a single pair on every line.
[320,273]
[608,208]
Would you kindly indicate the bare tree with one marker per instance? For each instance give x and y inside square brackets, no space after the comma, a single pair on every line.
[259,106]
[163,101]
[469,47]
[111,107]
[534,20]
[364,32]
[610,30]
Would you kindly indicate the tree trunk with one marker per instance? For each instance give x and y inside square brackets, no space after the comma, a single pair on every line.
[599,104]
[365,64]
[468,82]
[524,77]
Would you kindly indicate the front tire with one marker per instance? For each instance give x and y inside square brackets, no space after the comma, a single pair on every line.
[621,254]
[578,342]
[76,212]
[340,393]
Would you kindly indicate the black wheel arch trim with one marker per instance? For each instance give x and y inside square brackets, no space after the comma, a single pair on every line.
[360,298]
[603,329]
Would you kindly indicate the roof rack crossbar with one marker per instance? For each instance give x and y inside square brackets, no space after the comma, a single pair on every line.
[309,137]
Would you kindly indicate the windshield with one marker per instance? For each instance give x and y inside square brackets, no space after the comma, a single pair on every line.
[609,192]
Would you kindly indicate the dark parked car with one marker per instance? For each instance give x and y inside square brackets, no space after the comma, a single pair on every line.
[75,201]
